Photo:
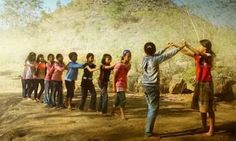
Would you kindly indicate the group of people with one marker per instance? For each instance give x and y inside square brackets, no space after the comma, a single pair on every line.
[48,74]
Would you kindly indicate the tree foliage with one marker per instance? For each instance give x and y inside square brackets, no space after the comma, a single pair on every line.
[17,13]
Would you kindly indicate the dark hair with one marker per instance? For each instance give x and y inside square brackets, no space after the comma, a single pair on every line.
[207,44]
[59,55]
[104,58]
[50,55]
[39,56]
[124,53]
[72,54]
[31,56]
[150,48]
[208,59]
[89,55]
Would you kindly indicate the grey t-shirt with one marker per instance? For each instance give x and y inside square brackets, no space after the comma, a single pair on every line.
[150,66]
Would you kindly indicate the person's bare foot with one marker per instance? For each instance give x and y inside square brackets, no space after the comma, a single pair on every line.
[124,118]
[152,138]
[210,134]
[37,100]
[69,108]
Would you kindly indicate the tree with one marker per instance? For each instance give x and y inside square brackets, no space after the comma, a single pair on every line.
[58,4]
[18,13]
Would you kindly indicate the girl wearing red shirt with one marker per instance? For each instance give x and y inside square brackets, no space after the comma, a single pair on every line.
[40,75]
[203,98]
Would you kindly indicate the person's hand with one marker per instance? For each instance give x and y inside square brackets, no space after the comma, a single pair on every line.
[169,44]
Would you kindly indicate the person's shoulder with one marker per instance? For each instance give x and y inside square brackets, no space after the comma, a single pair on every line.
[118,64]
[92,65]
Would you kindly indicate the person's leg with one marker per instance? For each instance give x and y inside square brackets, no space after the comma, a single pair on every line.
[84,93]
[116,103]
[42,88]
[93,98]
[54,91]
[105,100]
[100,102]
[50,91]
[46,92]
[36,86]
[101,97]
[211,123]
[204,122]
[122,105]
[31,87]
[67,83]
[23,82]
[60,94]
[152,98]
[70,93]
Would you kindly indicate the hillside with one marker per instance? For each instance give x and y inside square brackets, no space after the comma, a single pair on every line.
[110,26]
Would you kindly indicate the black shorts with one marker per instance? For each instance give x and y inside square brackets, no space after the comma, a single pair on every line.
[70,86]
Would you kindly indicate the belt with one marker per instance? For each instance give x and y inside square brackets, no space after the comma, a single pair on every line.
[87,78]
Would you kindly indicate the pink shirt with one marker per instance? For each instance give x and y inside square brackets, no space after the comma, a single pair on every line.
[50,70]
[58,70]
[121,70]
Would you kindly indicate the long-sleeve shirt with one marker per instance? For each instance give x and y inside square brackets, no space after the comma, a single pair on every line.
[58,71]
[150,66]
[30,70]
[72,72]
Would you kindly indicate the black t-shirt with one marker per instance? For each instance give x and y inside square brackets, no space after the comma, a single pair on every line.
[87,78]
[104,74]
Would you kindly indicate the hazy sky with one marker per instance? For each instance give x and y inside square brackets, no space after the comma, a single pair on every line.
[48,5]
[51,4]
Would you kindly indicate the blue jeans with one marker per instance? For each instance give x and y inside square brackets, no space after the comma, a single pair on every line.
[103,101]
[48,93]
[152,94]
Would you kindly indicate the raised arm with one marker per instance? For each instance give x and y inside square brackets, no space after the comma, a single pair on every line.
[164,49]
[92,69]
[193,50]
[187,52]
[168,55]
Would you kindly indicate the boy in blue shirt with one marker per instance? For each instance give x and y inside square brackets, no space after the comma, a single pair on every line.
[71,76]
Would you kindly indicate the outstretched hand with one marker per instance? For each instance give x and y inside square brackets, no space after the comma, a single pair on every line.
[169,44]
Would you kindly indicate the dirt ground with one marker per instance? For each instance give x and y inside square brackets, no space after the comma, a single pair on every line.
[26,120]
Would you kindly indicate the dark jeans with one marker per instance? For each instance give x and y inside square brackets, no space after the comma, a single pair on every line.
[36,86]
[84,91]
[103,101]
[120,99]
[23,82]
[70,86]
[57,94]
[29,85]
[48,92]
[152,94]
